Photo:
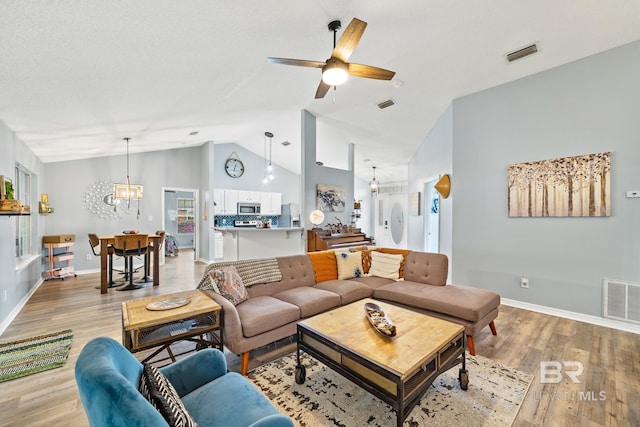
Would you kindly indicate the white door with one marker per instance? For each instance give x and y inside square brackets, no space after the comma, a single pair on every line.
[391,220]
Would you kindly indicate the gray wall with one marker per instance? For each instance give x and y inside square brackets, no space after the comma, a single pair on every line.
[312,175]
[67,182]
[16,284]
[433,159]
[584,107]
[284,181]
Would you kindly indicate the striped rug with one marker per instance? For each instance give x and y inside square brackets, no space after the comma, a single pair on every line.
[36,354]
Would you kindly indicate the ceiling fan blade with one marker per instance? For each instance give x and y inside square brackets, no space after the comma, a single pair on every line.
[349,39]
[323,88]
[296,62]
[369,72]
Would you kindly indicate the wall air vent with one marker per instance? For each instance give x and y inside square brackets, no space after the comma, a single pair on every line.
[393,189]
[386,104]
[521,53]
[621,300]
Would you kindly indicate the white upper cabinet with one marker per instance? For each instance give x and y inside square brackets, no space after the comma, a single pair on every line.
[270,203]
[226,201]
[249,196]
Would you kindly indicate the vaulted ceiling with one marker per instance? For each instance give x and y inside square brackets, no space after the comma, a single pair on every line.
[77,76]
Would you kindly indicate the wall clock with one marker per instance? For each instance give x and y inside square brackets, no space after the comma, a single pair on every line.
[234,167]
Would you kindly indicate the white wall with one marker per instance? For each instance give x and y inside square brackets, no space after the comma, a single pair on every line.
[584,107]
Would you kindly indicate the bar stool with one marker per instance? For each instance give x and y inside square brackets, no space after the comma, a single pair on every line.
[130,245]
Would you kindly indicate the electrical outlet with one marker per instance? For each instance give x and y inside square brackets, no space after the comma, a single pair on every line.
[88,257]
[524,282]
[4,298]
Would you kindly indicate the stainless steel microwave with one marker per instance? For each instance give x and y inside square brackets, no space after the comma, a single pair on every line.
[248,208]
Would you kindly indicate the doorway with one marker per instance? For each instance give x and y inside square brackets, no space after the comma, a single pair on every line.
[180,220]
[390,219]
[431,211]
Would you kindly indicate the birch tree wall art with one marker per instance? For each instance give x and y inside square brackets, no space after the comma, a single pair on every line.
[568,186]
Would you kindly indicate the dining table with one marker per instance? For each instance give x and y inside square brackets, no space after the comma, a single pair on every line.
[154,248]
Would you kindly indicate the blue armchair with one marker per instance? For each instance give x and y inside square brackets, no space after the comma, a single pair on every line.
[108,376]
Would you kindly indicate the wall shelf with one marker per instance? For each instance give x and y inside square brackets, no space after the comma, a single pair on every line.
[15,213]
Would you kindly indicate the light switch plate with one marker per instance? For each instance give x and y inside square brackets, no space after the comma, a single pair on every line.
[633,193]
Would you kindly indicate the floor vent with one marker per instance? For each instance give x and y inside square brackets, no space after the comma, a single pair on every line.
[621,300]
[521,53]
[386,104]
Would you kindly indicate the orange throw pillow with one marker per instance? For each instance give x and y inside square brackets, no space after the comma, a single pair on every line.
[324,265]
[403,252]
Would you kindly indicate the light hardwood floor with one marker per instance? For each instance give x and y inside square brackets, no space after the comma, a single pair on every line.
[611,358]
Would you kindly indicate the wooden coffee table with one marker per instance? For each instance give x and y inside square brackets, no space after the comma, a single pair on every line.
[143,328]
[396,370]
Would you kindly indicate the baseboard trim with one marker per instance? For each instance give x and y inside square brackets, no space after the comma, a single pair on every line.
[572,315]
[10,318]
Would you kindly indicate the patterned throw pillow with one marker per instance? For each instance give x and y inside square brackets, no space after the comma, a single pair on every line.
[349,265]
[227,282]
[385,265]
[161,394]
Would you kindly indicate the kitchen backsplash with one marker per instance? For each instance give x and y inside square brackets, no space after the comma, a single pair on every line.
[228,220]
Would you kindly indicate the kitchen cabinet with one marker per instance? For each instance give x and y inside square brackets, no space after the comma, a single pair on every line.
[249,196]
[218,201]
[225,202]
[270,203]
[230,202]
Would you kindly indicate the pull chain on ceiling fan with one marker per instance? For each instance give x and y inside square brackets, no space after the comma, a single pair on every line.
[336,69]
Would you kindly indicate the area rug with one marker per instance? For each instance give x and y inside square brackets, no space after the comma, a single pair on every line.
[36,354]
[327,399]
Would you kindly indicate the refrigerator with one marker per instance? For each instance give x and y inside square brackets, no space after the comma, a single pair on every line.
[290,216]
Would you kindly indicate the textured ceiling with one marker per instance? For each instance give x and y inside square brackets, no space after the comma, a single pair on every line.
[77,76]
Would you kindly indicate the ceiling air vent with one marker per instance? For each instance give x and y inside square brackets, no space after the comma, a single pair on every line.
[521,53]
[386,104]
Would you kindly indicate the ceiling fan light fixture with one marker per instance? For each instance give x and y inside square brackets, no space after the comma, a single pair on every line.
[334,73]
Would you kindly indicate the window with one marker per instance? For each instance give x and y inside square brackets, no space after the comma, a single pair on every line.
[22,192]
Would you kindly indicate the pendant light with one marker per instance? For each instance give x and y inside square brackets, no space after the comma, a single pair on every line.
[373,184]
[127,191]
[268,170]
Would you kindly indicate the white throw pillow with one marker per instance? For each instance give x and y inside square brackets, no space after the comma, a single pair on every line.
[349,265]
[385,265]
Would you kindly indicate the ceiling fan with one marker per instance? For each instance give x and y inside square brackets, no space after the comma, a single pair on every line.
[336,69]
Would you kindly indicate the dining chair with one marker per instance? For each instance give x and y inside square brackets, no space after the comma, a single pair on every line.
[130,246]
[152,247]
[94,242]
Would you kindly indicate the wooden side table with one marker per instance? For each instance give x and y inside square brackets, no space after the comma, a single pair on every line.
[143,328]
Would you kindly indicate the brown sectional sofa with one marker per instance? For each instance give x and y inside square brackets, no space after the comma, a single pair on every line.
[273,308]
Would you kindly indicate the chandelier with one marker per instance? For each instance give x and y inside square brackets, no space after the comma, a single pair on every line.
[127,191]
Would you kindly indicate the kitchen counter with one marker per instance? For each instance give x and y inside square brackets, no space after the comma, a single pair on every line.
[252,242]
